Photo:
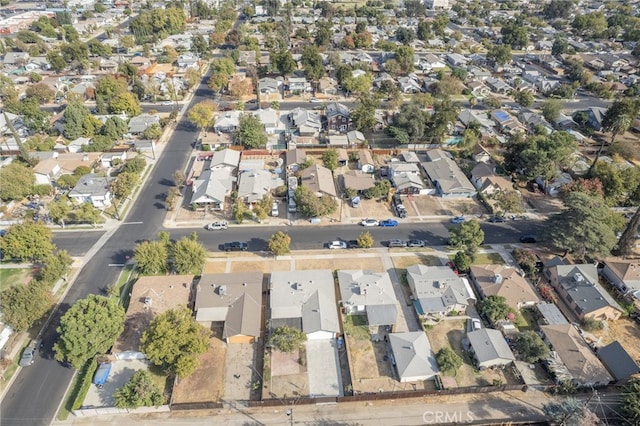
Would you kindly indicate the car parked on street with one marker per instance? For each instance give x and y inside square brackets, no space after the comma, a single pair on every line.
[369,222]
[28,355]
[275,210]
[217,226]
[388,223]
[415,243]
[457,219]
[235,246]
[497,219]
[353,244]
[336,245]
[528,239]
[396,243]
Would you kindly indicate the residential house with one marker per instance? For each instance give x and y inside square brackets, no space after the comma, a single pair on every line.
[446,176]
[255,184]
[578,286]
[298,84]
[234,300]
[571,359]
[535,121]
[319,180]
[328,86]
[338,117]
[410,157]
[489,348]
[47,171]
[93,189]
[487,182]
[478,88]
[212,187]
[308,123]
[365,161]
[15,59]
[225,158]
[438,291]
[227,122]
[270,119]
[617,361]
[137,125]
[497,86]
[409,184]
[624,275]
[399,168]
[294,158]
[595,115]
[305,300]
[269,86]
[505,121]
[480,154]
[368,293]
[76,145]
[355,137]
[187,61]
[247,57]
[413,356]
[150,296]
[503,281]
[554,186]
[468,116]
[358,180]
[430,62]
[409,85]
[108,158]
[456,60]
[550,314]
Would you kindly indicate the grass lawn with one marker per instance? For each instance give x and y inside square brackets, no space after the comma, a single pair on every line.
[488,259]
[525,320]
[12,276]
[357,327]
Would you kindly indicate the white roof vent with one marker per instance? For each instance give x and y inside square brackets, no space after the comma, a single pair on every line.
[147,301]
[222,290]
[577,277]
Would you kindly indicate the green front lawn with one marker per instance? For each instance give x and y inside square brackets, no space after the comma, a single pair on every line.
[12,276]
[488,259]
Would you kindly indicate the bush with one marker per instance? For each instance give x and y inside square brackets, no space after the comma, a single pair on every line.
[590,324]
[83,382]
[42,189]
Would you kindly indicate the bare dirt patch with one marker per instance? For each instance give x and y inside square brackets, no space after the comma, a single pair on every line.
[427,205]
[288,376]
[625,331]
[366,263]
[263,266]
[542,203]
[207,382]
[404,261]
[463,206]
[367,208]
[214,267]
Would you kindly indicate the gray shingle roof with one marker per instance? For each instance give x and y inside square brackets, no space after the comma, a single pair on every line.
[413,355]
[489,346]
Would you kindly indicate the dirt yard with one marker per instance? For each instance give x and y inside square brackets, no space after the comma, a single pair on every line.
[426,205]
[347,262]
[451,333]
[406,260]
[542,203]
[625,331]
[288,375]
[463,206]
[264,266]
[367,208]
[207,382]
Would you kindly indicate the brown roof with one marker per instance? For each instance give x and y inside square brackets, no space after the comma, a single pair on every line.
[150,297]
[625,269]
[318,179]
[358,180]
[575,354]
[513,287]
[68,162]
[500,182]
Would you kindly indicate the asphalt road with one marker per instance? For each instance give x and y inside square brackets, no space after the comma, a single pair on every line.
[34,396]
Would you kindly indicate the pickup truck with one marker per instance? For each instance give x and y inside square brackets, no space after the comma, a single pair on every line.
[235,246]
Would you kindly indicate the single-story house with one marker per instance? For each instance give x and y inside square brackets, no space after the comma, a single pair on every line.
[437,290]
[294,157]
[489,348]
[618,361]
[624,275]
[212,187]
[501,280]
[357,180]
[413,356]
[139,124]
[227,122]
[446,176]
[108,158]
[487,182]
[409,184]
[550,314]
[253,185]
[233,299]
[225,158]
[93,189]
[309,123]
[368,293]
[319,180]
[365,161]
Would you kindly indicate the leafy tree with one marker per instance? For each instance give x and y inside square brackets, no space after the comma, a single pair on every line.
[380,189]
[179,178]
[189,256]
[551,109]
[88,328]
[405,35]
[631,401]
[286,339]
[59,210]
[40,92]
[55,267]
[363,115]
[87,213]
[123,184]
[114,128]
[515,34]
[423,31]
[590,24]
[309,205]
[413,120]
[330,159]
[154,131]
[16,181]
[96,48]
[28,241]
[279,243]
[539,155]
[468,236]
[23,305]
[365,240]
[284,62]
[448,360]
[462,260]
[592,324]
[558,9]
[250,132]
[151,257]
[500,54]
[174,341]
[509,201]
[531,346]
[125,102]
[135,165]
[404,55]
[74,115]
[202,115]
[570,412]
[494,308]
[524,98]
[583,228]
[140,391]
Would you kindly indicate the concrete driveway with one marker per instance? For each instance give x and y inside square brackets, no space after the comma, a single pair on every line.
[323,367]
[238,371]
[121,372]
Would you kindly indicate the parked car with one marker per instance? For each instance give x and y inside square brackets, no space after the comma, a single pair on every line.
[353,244]
[315,100]
[457,219]
[415,243]
[28,355]
[167,103]
[388,223]
[336,245]
[275,211]
[369,222]
[496,219]
[235,246]
[217,226]
[396,243]
[528,239]
[401,211]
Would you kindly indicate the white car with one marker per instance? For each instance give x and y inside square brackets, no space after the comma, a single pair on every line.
[315,100]
[217,226]
[167,103]
[275,211]
[336,245]
[370,222]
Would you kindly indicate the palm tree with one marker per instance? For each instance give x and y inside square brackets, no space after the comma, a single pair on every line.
[620,124]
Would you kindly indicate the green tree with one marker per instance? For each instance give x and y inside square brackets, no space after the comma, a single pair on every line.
[114,128]
[515,34]
[309,205]
[88,328]
[27,241]
[462,261]
[312,62]
[250,133]
[468,236]
[631,401]
[380,189]
[551,109]
[284,62]
[363,115]
[202,115]
[40,92]
[127,103]
[279,244]
[56,266]
[16,181]
[448,361]
[74,115]
[539,155]
[151,257]
[330,159]
[96,48]
[59,210]
[56,60]
[404,55]
[531,346]
[174,341]
[509,201]
[583,228]
[123,184]
[154,131]
[286,339]
[494,308]
[500,54]
[524,98]
[87,213]
[135,165]
[140,391]
[23,305]
[189,256]
[365,240]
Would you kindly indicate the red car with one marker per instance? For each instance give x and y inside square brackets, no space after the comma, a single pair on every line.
[453,266]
